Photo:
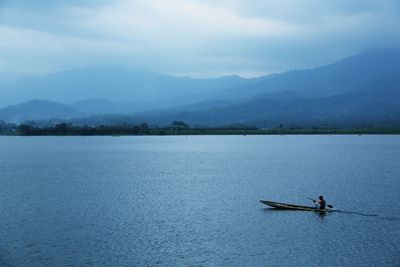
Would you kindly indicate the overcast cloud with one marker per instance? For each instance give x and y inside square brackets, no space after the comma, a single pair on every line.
[193,37]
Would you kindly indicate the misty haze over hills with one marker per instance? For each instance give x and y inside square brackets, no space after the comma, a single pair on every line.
[116,84]
[361,90]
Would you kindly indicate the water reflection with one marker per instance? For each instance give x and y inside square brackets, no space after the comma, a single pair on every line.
[320,214]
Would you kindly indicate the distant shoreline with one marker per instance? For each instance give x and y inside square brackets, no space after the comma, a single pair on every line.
[112,131]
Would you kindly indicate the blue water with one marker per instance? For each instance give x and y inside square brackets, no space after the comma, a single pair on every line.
[194,201]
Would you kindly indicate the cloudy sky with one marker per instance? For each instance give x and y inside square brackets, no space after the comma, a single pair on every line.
[200,38]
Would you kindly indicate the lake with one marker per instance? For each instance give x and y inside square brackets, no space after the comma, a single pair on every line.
[194,201]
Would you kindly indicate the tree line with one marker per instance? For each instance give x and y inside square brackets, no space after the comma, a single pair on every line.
[177,127]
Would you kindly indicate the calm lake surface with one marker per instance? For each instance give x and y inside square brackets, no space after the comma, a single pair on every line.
[194,201]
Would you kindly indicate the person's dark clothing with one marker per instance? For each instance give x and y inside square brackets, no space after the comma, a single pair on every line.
[322,204]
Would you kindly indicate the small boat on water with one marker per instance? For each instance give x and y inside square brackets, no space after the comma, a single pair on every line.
[284,206]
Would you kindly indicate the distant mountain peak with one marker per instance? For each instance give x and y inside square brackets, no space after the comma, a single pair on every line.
[36,110]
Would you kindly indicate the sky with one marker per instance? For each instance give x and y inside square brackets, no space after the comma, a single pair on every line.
[197,38]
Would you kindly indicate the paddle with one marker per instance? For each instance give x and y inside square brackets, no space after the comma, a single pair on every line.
[329,206]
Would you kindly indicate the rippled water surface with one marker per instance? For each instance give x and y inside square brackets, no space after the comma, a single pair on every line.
[194,201]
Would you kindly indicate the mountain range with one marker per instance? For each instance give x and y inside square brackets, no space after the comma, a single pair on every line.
[361,90]
[116,84]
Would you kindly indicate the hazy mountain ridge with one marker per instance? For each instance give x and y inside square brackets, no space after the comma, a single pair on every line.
[126,85]
[361,89]
[37,110]
[361,109]
[340,77]
[114,83]
[98,106]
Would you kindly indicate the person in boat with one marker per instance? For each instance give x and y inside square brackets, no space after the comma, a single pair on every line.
[320,203]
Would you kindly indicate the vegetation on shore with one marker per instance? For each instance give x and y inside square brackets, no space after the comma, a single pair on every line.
[176,128]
